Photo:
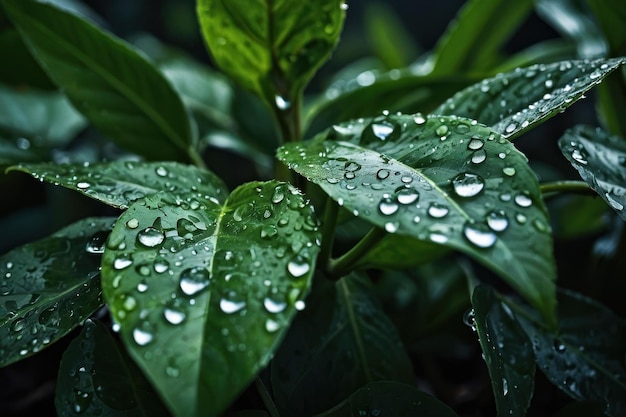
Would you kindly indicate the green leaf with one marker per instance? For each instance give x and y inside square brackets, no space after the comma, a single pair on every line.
[600,160]
[399,252]
[49,287]
[204,294]
[388,398]
[19,149]
[515,102]
[340,342]
[114,86]
[120,183]
[97,378]
[583,358]
[472,41]
[444,180]
[271,48]
[24,70]
[507,352]
[611,16]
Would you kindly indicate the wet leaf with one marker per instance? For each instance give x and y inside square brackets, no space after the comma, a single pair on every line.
[340,342]
[444,180]
[24,69]
[121,183]
[115,87]
[97,378]
[399,252]
[514,102]
[387,398]
[49,287]
[204,294]
[583,358]
[611,16]
[600,160]
[271,48]
[507,352]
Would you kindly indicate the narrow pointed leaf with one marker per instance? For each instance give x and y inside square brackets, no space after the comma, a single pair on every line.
[513,102]
[507,352]
[120,183]
[97,378]
[388,398]
[340,342]
[444,180]
[585,360]
[204,294]
[49,287]
[113,85]
[600,159]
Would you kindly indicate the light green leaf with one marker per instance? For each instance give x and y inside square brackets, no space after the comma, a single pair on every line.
[49,287]
[515,102]
[271,48]
[600,160]
[204,294]
[340,342]
[444,180]
[114,86]
[583,359]
[473,39]
[97,378]
[120,183]
[388,398]
[507,352]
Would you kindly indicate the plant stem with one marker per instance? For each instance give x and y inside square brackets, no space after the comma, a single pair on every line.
[344,264]
[267,398]
[579,187]
[328,231]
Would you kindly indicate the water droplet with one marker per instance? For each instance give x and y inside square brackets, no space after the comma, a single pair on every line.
[298,266]
[278,196]
[271,325]
[382,130]
[122,262]
[161,265]
[382,174]
[344,6]
[282,103]
[475,144]
[479,156]
[441,130]
[142,337]
[523,200]
[468,185]
[174,315]
[83,185]
[387,206]
[231,306]
[407,196]
[497,221]
[580,156]
[95,245]
[391,227]
[193,280]
[150,237]
[273,306]
[469,319]
[438,238]
[132,223]
[142,287]
[161,171]
[18,325]
[509,171]
[438,211]
[616,205]
[479,235]
[419,119]
[299,305]
[505,387]
[130,303]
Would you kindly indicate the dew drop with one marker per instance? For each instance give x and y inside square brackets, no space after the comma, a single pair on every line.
[497,221]
[438,238]
[271,325]
[282,103]
[95,245]
[273,306]
[161,171]
[469,319]
[419,119]
[407,196]
[142,337]
[193,280]
[479,236]
[468,185]
[479,156]
[523,200]
[299,305]
[382,130]
[174,315]
[391,227]
[161,265]
[505,387]
[509,171]
[438,211]
[441,130]
[83,185]
[150,237]
[580,156]
[475,144]
[298,266]
[231,306]
[382,174]
[122,262]
[132,223]
[387,207]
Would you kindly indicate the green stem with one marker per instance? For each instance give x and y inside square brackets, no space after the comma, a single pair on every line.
[579,187]
[345,263]
[266,398]
[328,231]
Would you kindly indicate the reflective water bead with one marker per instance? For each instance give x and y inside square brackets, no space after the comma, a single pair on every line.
[479,156]
[497,221]
[142,337]
[382,130]
[419,119]
[479,235]
[438,211]
[387,207]
[523,200]
[407,196]
[475,144]
[150,237]
[273,306]
[231,306]
[468,185]
[298,267]
[193,280]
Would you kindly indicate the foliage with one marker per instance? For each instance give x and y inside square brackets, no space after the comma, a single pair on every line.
[326,288]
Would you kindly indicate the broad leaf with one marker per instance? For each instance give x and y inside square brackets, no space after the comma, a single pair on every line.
[611,16]
[583,358]
[49,287]
[204,294]
[115,87]
[514,102]
[24,70]
[399,252]
[340,342]
[271,48]
[445,180]
[97,378]
[601,161]
[472,41]
[387,398]
[121,183]
[507,352]
[16,149]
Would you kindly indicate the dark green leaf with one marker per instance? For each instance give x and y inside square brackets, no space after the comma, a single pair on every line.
[204,294]
[24,70]
[121,183]
[399,252]
[472,41]
[271,48]
[387,398]
[507,352]
[19,149]
[48,287]
[97,378]
[601,161]
[583,358]
[514,102]
[611,16]
[443,180]
[340,342]
[114,86]
[576,216]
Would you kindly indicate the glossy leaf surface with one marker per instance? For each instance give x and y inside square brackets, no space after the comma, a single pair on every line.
[443,180]
[600,160]
[121,183]
[340,342]
[507,352]
[97,378]
[204,294]
[583,358]
[514,102]
[49,287]
[115,87]
[387,398]
[271,48]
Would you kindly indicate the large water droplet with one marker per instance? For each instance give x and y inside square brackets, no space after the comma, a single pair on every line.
[438,211]
[122,262]
[387,206]
[468,185]
[298,266]
[479,156]
[194,280]
[97,242]
[150,237]
[391,227]
[274,306]
[174,315]
[282,103]
[523,200]
[271,325]
[382,174]
[382,130]
[419,119]
[479,235]
[161,265]
[441,130]
[142,337]
[161,171]
[407,196]
[497,221]
[230,306]
[475,144]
